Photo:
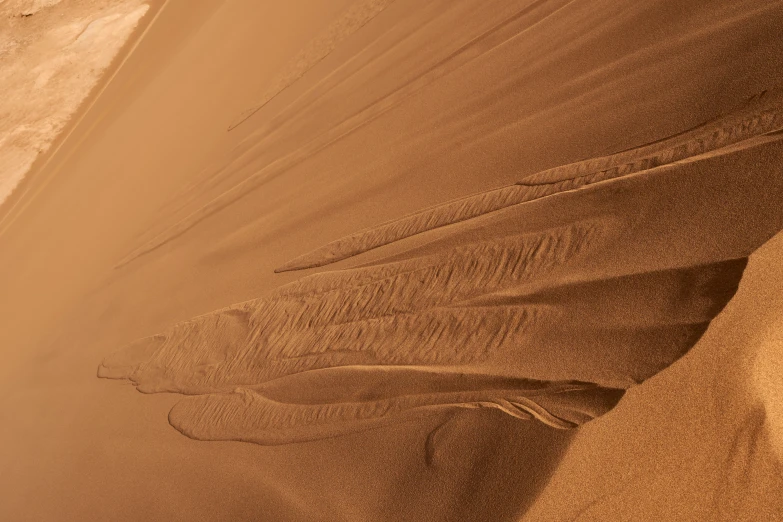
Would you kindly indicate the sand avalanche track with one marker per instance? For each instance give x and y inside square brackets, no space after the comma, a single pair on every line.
[546,300]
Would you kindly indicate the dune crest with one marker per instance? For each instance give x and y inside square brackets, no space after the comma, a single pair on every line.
[545,310]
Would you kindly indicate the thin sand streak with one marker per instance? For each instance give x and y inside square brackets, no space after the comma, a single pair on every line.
[353,19]
[758,119]
[288,115]
[246,150]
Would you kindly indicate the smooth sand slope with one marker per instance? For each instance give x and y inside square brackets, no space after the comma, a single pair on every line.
[596,282]
[562,214]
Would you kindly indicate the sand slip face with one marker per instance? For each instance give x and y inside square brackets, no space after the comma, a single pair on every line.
[548,309]
[52,53]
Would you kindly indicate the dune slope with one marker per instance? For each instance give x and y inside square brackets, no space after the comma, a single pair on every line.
[606,303]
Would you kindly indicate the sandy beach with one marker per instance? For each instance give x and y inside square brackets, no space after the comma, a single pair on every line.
[369,260]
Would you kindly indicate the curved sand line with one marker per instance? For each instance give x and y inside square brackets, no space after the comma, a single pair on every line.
[763,116]
[250,416]
[547,310]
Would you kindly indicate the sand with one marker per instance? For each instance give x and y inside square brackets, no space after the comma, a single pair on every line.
[523,270]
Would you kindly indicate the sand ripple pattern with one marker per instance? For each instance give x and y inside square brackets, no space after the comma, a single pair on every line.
[341,352]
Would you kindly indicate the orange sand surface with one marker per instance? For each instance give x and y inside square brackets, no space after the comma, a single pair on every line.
[400,260]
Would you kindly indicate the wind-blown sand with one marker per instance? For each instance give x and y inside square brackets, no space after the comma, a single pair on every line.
[550,285]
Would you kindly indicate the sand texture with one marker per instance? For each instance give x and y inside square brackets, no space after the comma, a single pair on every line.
[480,260]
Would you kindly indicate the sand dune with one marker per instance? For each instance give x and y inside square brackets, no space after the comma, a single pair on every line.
[542,245]
[244,156]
